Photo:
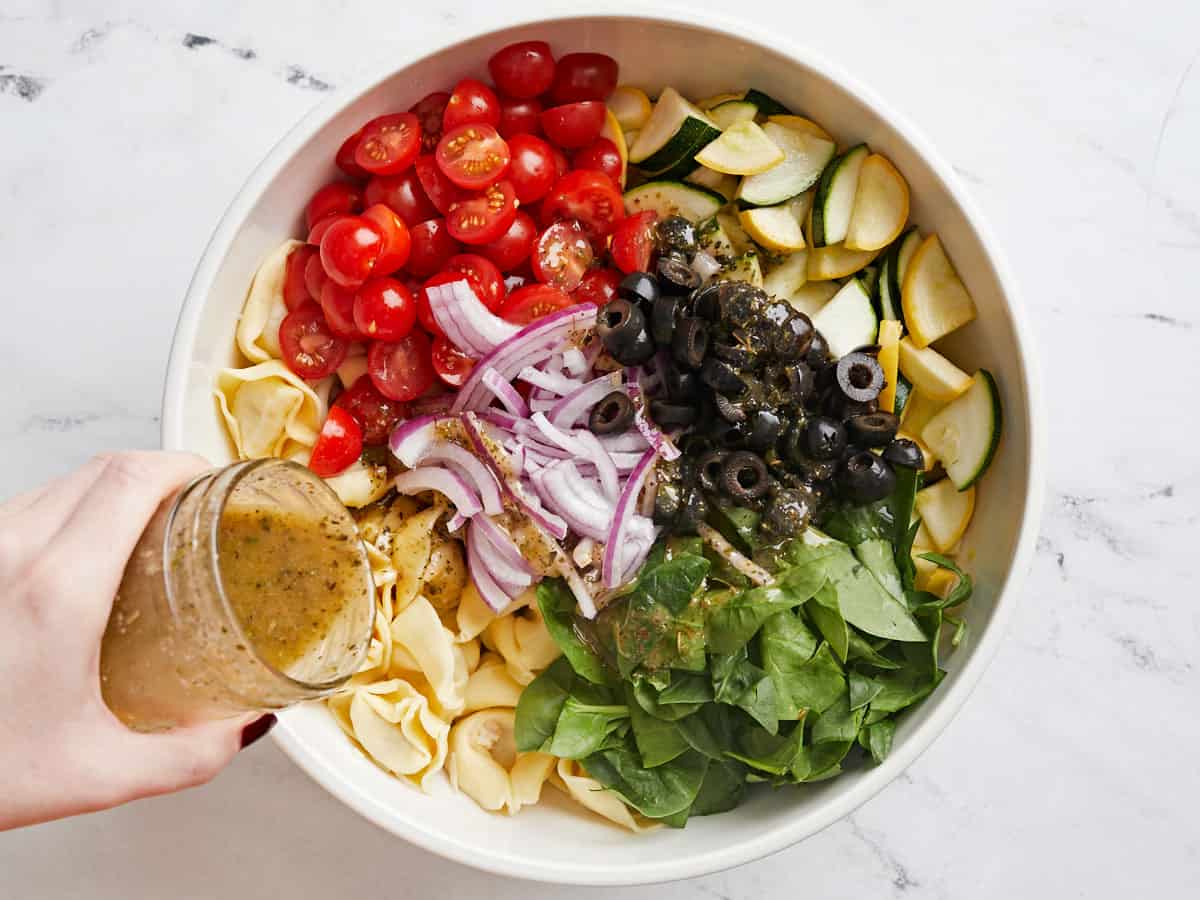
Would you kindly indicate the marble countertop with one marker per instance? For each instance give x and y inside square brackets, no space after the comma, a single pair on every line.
[125,127]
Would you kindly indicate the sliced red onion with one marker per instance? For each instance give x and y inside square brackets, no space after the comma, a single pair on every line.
[705,265]
[445,482]
[502,420]
[506,394]
[571,407]
[611,574]
[531,442]
[506,574]
[626,462]
[629,442]
[489,589]
[457,521]
[469,325]
[606,469]
[639,539]
[504,545]
[557,436]
[587,605]
[542,406]
[575,363]
[412,439]
[548,381]
[564,490]
[478,474]
[582,554]
[655,438]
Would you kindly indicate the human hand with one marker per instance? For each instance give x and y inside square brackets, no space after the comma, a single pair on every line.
[63,549]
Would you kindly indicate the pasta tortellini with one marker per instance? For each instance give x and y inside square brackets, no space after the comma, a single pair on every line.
[524,642]
[268,410]
[491,685]
[264,309]
[571,779]
[484,763]
[421,645]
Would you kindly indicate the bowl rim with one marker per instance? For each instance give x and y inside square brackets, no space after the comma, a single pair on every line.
[950,702]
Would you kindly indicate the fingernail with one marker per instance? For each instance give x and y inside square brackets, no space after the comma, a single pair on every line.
[257,729]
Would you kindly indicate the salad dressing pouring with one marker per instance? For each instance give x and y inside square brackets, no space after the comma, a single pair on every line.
[248,590]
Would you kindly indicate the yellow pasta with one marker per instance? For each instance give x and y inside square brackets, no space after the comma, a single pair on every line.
[522,639]
[258,327]
[491,685]
[268,410]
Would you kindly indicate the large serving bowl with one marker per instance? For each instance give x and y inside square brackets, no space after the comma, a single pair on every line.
[554,841]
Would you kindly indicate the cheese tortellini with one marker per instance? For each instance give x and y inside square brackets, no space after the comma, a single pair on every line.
[269,411]
[485,765]
[264,309]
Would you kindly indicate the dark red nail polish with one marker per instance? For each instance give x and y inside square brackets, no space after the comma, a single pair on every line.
[257,729]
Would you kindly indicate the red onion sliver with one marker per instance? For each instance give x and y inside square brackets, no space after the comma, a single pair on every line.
[478,474]
[445,482]
[548,381]
[564,490]
[655,438]
[469,325]
[605,467]
[492,593]
[575,582]
[556,436]
[506,394]
[494,561]
[575,363]
[629,442]
[610,573]
[506,549]
[411,439]
[568,410]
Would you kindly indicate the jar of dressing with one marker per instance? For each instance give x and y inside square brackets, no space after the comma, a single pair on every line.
[248,590]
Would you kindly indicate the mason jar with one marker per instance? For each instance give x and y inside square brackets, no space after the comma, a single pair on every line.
[249,590]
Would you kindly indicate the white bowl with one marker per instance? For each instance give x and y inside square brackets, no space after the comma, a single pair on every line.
[554,842]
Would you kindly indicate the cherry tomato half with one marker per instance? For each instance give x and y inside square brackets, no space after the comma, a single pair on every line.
[451,364]
[633,242]
[337,304]
[338,445]
[561,256]
[483,276]
[533,169]
[295,288]
[318,231]
[471,101]
[532,302]
[432,247]
[389,144]
[345,157]
[397,244]
[598,287]
[403,194]
[401,370]
[314,275]
[574,124]
[519,117]
[484,217]
[384,309]
[472,156]
[374,413]
[602,156]
[350,248]
[591,198]
[429,111]
[441,191]
[584,76]
[309,347]
[524,69]
[513,247]
[336,198]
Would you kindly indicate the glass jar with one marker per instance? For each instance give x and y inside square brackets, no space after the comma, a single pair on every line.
[248,590]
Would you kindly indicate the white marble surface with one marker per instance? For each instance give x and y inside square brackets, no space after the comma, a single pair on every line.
[1072,771]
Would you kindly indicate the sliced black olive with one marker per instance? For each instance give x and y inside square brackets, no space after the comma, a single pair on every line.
[695,444]
[859,377]
[818,350]
[706,302]
[793,338]
[792,447]
[848,409]
[678,234]
[906,453]
[675,274]
[689,345]
[744,476]
[824,438]
[672,415]
[765,428]
[612,415]
[668,500]
[802,383]
[681,384]
[866,478]
[737,354]
[662,319]
[638,287]
[728,410]
[721,377]
[728,434]
[622,329]
[814,470]
[694,511]
[708,470]
[873,429]
[790,511]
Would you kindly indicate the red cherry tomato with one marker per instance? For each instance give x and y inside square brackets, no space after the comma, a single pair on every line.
[471,101]
[451,364]
[401,370]
[472,156]
[424,311]
[483,276]
[598,287]
[345,157]
[318,231]
[432,247]
[484,217]
[375,414]
[561,165]
[633,242]
[584,76]
[429,110]
[532,302]
[574,124]
[519,117]
[314,275]
[601,155]
[338,445]
[384,309]
[403,194]
[524,69]
[561,256]
[441,191]
[295,289]
[309,347]
[337,304]
[591,198]
[350,247]
[397,243]
[389,144]
[513,247]
[533,169]
[335,198]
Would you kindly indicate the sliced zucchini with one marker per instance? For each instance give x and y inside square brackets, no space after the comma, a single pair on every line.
[835,197]
[631,106]
[671,136]
[917,411]
[725,185]
[668,198]
[789,276]
[887,294]
[936,302]
[731,112]
[813,296]
[908,246]
[717,99]
[880,205]
[931,373]
[805,157]
[903,395]
[612,131]
[965,434]
[945,512]
[767,105]
[869,276]
[889,358]
[735,233]
[835,261]
[741,149]
[848,321]
[799,123]
[774,227]
[746,267]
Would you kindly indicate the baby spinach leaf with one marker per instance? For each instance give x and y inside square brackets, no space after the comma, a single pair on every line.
[863,652]
[583,727]
[864,603]
[773,754]
[838,722]
[904,529]
[902,688]
[735,621]
[965,587]
[557,605]
[854,525]
[827,617]
[738,682]
[879,559]
[673,583]
[649,698]
[816,762]
[659,792]
[687,688]
[658,741]
[805,677]
[736,524]
[863,689]
[540,705]
[876,739]
[722,789]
